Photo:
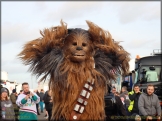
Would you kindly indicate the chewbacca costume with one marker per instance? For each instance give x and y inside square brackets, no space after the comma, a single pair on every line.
[79,64]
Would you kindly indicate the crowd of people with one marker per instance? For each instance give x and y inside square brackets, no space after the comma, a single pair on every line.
[135,105]
[130,106]
[26,105]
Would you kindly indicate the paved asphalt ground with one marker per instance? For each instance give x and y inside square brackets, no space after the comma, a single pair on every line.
[41,116]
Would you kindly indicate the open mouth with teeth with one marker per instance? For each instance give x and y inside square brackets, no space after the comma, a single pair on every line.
[78,55]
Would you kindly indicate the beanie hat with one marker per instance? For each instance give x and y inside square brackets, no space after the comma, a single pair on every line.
[3,90]
[14,90]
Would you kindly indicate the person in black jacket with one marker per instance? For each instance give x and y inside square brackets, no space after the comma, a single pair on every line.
[117,112]
[48,103]
[41,94]
[134,97]
[37,105]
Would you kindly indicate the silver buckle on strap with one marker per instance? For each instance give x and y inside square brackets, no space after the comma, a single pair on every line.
[76,108]
[90,88]
[83,93]
[85,102]
[86,85]
[88,94]
[81,109]
[80,100]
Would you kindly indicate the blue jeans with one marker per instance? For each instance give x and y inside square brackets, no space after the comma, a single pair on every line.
[41,105]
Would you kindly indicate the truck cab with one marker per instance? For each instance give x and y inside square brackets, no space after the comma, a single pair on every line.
[148,71]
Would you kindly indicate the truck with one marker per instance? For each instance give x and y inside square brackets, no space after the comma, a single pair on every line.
[138,77]
[142,66]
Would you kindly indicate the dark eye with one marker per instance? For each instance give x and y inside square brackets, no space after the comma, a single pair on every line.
[74,43]
[84,44]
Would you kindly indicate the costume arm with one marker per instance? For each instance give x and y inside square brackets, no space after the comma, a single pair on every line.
[141,106]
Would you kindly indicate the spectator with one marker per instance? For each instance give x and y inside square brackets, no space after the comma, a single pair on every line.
[16,95]
[27,102]
[134,97]
[41,100]
[124,94]
[113,91]
[118,109]
[48,103]
[149,106]
[13,98]
[46,115]
[20,92]
[125,99]
[117,94]
[7,109]
[37,104]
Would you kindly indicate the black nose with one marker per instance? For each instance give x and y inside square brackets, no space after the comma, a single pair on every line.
[79,48]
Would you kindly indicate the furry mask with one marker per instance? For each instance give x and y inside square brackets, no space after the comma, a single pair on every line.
[68,57]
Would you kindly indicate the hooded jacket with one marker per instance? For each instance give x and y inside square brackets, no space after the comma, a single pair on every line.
[47,98]
[149,105]
[7,111]
[41,95]
[134,97]
[13,100]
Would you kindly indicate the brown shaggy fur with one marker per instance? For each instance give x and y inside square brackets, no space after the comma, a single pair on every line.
[50,55]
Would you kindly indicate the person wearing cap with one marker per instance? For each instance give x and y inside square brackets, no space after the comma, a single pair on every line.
[13,98]
[7,109]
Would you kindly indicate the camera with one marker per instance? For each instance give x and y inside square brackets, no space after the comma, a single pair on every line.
[28,92]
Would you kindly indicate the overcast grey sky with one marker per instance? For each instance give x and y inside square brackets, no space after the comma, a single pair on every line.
[137,24]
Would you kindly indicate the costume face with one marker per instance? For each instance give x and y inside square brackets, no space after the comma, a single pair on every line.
[67,58]
[77,46]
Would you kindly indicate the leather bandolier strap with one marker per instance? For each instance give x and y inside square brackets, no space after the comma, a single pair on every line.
[82,100]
